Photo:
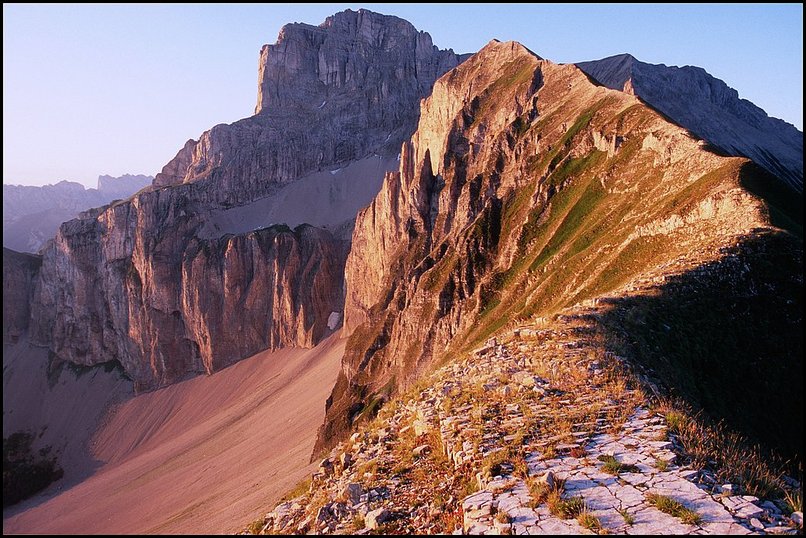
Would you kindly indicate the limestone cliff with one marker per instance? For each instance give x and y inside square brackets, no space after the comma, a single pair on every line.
[136,284]
[526,188]
[710,109]
[326,94]
[159,283]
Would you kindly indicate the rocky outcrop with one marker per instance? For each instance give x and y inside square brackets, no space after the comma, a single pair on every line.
[32,215]
[161,284]
[358,78]
[519,194]
[710,109]
[20,271]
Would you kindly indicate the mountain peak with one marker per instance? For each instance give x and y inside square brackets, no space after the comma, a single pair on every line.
[514,48]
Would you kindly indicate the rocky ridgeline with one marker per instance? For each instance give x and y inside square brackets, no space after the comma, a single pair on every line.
[710,109]
[537,434]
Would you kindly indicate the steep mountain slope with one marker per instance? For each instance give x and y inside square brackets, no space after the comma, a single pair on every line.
[528,188]
[32,215]
[710,109]
[168,285]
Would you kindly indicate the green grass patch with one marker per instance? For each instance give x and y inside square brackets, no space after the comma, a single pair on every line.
[667,505]
[571,224]
[614,467]
[589,521]
[626,516]
[567,508]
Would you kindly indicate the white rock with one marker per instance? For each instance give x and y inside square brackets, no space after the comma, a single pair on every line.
[420,427]
[333,320]
[756,523]
[374,518]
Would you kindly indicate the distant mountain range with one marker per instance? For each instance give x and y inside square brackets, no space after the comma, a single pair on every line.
[32,215]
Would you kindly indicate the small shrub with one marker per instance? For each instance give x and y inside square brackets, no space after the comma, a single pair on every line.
[256,526]
[566,508]
[676,420]
[589,521]
[503,517]
[493,463]
[661,465]
[538,490]
[578,452]
[794,500]
[626,516]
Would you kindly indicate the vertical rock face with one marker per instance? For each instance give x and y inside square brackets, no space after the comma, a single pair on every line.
[136,284]
[526,188]
[139,282]
[358,78]
[710,109]
[20,271]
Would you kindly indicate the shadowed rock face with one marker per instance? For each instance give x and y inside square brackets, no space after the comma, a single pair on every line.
[527,188]
[710,109]
[141,282]
[20,272]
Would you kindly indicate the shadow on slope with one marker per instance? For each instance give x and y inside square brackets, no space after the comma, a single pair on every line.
[785,206]
[727,338]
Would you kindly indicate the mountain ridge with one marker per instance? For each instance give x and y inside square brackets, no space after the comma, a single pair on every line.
[710,109]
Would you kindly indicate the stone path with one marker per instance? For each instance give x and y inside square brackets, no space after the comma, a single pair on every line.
[500,442]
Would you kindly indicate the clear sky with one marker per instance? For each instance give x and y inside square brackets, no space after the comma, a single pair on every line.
[95,89]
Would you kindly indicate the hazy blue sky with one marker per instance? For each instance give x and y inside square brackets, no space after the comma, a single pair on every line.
[91,90]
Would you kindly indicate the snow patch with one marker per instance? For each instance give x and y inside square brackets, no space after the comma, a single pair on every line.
[333,320]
